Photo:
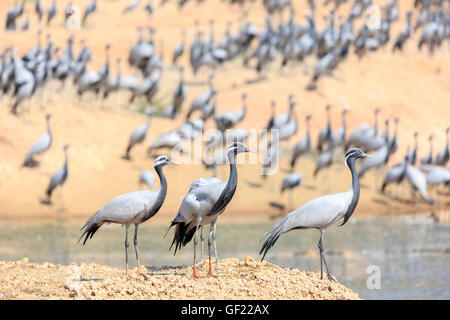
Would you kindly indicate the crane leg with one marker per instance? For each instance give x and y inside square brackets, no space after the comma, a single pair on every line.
[135,247]
[322,257]
[215,248]
[194,273]
[126,249]
[210,274]
[321,260]
[201,247]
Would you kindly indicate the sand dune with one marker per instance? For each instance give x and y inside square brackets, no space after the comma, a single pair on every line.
[412,85]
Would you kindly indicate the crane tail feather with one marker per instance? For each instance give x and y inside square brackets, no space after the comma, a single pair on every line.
[272,236]
[183,235]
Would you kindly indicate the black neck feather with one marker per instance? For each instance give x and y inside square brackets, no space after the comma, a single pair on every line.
[230,188]
[161,194]
[355,188]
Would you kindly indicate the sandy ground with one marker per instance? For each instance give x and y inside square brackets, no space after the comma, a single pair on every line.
[413,86]
[236,279]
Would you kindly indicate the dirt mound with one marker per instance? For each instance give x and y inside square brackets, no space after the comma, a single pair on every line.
[236,279]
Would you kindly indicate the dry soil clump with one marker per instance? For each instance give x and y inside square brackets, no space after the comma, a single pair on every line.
[236,279]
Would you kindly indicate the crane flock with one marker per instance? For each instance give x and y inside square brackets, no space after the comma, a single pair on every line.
[291,42]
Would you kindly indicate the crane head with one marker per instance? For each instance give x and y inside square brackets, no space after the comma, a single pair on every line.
[356,153]
[238,147]
[163,161]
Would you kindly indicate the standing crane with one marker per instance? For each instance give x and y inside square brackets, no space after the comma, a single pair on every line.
[40,146]
[130,208]
[58,178]
[203,205]
[139,134]
[320,213]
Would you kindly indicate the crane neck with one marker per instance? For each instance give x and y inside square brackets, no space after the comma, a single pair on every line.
[147,124]
[355,190]
[232,179]
[448,133]
[48,127]
[162,192]
[375,126]
[66,159]
[230,188]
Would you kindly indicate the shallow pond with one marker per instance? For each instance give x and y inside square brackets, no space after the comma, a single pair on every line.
[410,256]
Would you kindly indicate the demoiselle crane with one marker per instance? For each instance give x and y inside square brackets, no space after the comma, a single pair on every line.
[380,158]
[203,205]
[396,173]
[304,145]
[320,213]
[413,154]
[148,178]
[40,146]
[325,133]
[290,181]
[58,178]
[444,155]
[51,12]
[418,181]
[130,208]
[428,159]
[138,135]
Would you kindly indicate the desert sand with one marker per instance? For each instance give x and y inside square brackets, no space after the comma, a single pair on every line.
[236,279]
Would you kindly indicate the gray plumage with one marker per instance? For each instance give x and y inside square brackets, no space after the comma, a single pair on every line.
[428,159]
[289,129]
[444,155]
[205,201]
[339,135]
[90,8]
[324,160]
[179,49]
[303,146]
[148,178]
[436,175]
[320,213]
[418,181]
[395,174]
[167,140]
[138,135]
[51,12]
[413,154]
[201,100]
[291,181]
[229,119]
[363,131]
[380,157]
[39,9]
[131,6]
[278,121]
[325,133]
[59,177]
[130,208]
[40,146]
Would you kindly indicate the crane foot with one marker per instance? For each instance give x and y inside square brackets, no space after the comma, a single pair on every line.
[194,273]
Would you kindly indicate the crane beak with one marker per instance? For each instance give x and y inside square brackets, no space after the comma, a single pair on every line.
[172,162]
[368,155]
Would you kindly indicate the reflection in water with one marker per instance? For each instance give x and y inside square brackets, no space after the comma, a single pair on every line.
[412,254]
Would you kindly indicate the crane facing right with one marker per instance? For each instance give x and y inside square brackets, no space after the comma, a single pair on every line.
[320,213]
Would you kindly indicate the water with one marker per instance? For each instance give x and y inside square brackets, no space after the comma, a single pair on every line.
[411,254]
